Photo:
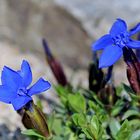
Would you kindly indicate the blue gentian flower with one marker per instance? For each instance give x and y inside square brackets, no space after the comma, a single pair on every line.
[15,88]
[114,42]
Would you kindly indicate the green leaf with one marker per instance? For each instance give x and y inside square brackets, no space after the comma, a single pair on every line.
[93,106]
[32,132]
[97,100]
[134,97]
[92,129]
[128,89]
[50,120]
[71,137]
[125,131]
[57,138]
[88,133]
[130,113]
[57,126]
[82,136]
[77,103]
[119,90]
[98,111]
[79,119]
[114,126]
[131,92]
[135,135]
[117,108]
[62,93]
[95,124]
[95,128]
[135,124]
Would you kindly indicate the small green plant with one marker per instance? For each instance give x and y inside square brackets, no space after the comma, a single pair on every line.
[101,112]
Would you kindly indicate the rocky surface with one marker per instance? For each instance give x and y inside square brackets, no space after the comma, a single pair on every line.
[97,16]
[25,23]
[6,134]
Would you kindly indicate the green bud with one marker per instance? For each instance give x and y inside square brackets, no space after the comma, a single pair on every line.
[33,118]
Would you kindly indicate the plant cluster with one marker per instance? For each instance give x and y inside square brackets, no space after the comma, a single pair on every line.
[101,112]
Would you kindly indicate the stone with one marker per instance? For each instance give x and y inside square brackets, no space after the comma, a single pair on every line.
[97,17]
[25,23]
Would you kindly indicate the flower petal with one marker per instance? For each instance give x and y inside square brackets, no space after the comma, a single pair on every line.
[40,86]
[11,79]
[135,29]
[6,95]
[118,27]
[26,73]
[133,44]
[20,101]
[110,55]
[102,42]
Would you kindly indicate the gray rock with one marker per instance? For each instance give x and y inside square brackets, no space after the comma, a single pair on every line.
[97,16]
[6,134]
[25,23]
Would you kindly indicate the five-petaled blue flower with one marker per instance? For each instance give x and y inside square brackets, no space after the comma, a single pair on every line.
[15,88]
[113,43]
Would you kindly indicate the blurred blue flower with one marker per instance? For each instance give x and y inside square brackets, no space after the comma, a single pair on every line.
[15,88]
[114,42]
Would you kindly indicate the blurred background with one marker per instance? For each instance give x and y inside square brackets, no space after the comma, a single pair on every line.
[69,28]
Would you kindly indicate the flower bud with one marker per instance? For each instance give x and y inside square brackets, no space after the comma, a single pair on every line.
[133,69]
[95,77]
[108,95]
[33,118]
[133,78]
[55,66]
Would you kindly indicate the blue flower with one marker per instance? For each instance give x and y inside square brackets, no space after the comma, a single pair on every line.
[15,88]
[114,42]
